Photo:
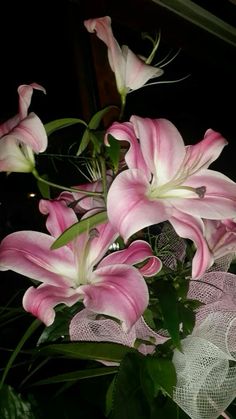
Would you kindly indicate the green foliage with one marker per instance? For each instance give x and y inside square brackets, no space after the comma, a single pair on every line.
[12,406]
[84,225]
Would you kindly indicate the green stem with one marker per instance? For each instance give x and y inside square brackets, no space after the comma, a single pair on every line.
[123,102]
[104,177]
[36,323]
[64,188]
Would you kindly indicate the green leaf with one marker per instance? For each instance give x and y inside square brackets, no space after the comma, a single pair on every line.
[57,124]
[12,406]
[60,326]
[188,319]
[44,188]
[162,373]
[169,307]
[97,117]
[114,152]
[129,400]
[78,375]
[36,323]
[84,142]
[88,350]
[78,228]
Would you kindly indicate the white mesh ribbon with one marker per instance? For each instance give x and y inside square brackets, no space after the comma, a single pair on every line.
[88,326]
[206,370]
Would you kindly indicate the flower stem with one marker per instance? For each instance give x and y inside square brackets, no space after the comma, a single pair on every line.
[64,188]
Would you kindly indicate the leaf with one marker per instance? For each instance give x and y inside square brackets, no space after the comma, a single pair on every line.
[12,406]
[129,400]
[84,225]
[60,326]
[44,188]
[57,124]
[188,319]
[36,323]
[77,375]
[162,373]
[97,117]
[167,297]
[88,350]
[114,152]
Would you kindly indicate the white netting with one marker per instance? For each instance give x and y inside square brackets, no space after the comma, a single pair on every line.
[171,246]
[87,326]
[206,369]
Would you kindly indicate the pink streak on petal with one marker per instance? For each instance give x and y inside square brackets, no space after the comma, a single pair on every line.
[133,157]
[31,131]
[42,300]
[28,253]
[192,228]
[137,72]
[219,201]
[60,217]
[102,27]
[129,209]
[8,125]
[118,291]
[138,251]
[202,154]
[25,92]
[104,236]
[162,146]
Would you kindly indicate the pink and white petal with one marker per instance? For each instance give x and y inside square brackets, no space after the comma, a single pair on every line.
[133,156]
[219,201]
[162,147]
[118,291]
[102,27]
[137,71]
[25,92]
[104,236]
[192,228]
[8,125]
[60,217]
[129,208]
[137,252]
[41,301]
[31,132]
[28,253]
[202,154]
[12,159]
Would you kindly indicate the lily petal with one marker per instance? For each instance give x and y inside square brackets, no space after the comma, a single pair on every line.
[162,146]
[192,228]
[102,27]
[137,252]
[41,301]
[60,217]
[12,159]
[202,154]
[25,92]
[219,201]
[31,132]
[28,253]
[137,71]
[133,156]
[134,210]
[118,291]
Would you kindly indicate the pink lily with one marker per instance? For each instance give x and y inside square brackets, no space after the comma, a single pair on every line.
[79,271]
[22,136]
[167,180]
[221,237]
[131,72]
[80,201]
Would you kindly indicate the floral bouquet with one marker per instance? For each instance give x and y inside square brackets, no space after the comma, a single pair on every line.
[133,287]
